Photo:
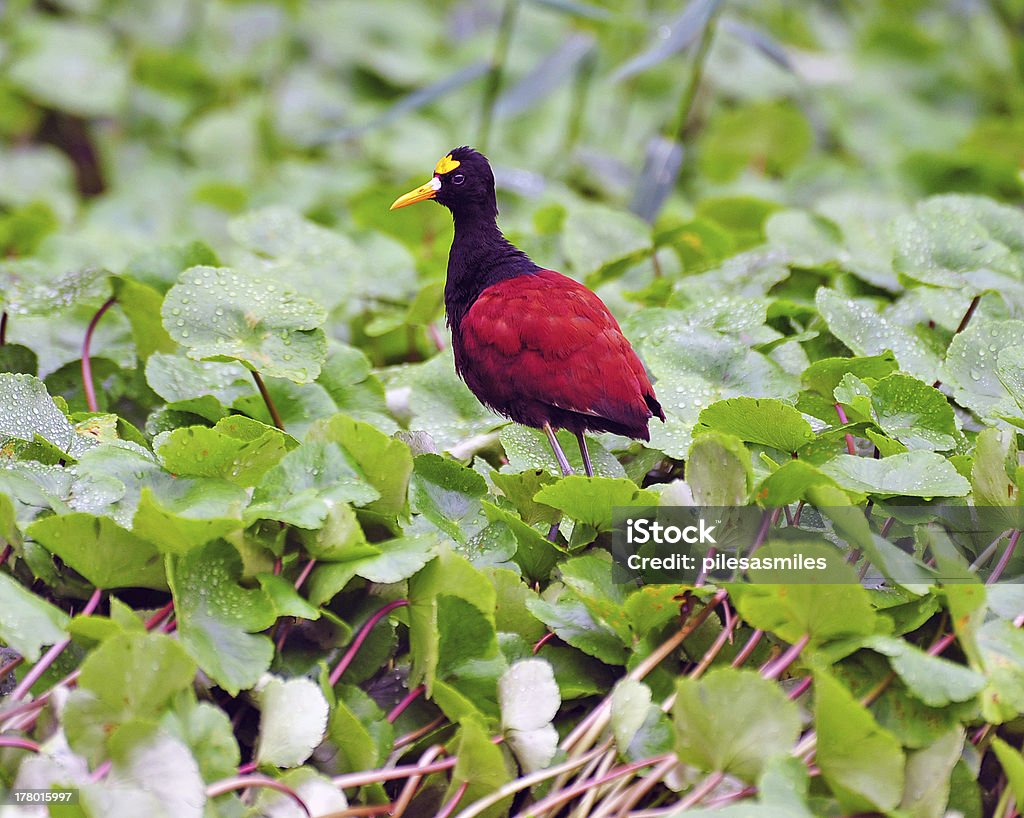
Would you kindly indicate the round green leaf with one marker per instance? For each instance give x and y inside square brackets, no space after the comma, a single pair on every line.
[909,474]
[733,721]
[220,314]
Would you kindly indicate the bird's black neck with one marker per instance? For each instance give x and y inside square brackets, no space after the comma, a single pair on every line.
[480,256]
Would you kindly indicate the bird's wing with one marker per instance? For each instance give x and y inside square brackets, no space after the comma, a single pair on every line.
[546,337]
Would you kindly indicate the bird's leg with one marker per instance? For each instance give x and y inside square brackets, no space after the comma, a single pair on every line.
[585,454]
[563,461]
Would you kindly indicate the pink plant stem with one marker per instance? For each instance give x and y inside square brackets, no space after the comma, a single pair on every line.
[350,654]
[772,670]
[543,641]
[1004,560]
[25,685]
[8,550]
[159,616]
[19,743]
[87,384]
[304,574]
[244,782]
[409,698]
[801,688]
[851,447]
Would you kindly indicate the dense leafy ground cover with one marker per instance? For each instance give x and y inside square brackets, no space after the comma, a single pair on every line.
[262,553]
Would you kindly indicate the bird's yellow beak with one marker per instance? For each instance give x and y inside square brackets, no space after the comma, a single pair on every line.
[420,194]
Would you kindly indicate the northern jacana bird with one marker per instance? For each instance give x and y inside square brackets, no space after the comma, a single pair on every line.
[532,344]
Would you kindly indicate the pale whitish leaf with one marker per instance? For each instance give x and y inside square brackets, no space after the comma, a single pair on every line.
[152,775]
[534,749]
[316,791]
[293,718]
[528,695]
[630,702]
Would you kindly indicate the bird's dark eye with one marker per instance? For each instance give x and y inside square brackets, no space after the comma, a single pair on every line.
[458,179]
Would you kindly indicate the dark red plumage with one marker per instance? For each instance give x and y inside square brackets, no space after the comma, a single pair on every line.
[542,347]
[534,345]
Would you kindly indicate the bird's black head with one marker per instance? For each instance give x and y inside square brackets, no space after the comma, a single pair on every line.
[462,182]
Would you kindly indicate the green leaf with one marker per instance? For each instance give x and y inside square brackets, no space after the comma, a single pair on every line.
[201,387]
[137,674]
[914,413]
[596,236]
[441,404]
[934,680]
[236,449]
[141,304]
[27,410]
[573,623]
[860,762]
[1013,766]
[293,720]
[220,314]
[529,449]
[823,612]
[72,67]
[858,324]
[359,730]
[183,522]
[719,470]
[825,375]
[733,721]
[101,551]
[590,499]
[521,488]
[17,358]
[695,367]
[152,773]
[218,620]
[960,242]
[790,483]
[331,267]
[448,494]
[772,136]
[971,367]
[764,421]
[910,474]
[29,621]
[386,462]
[927,782]
[481,767]
[454,577]
[992,469]
[307,482]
